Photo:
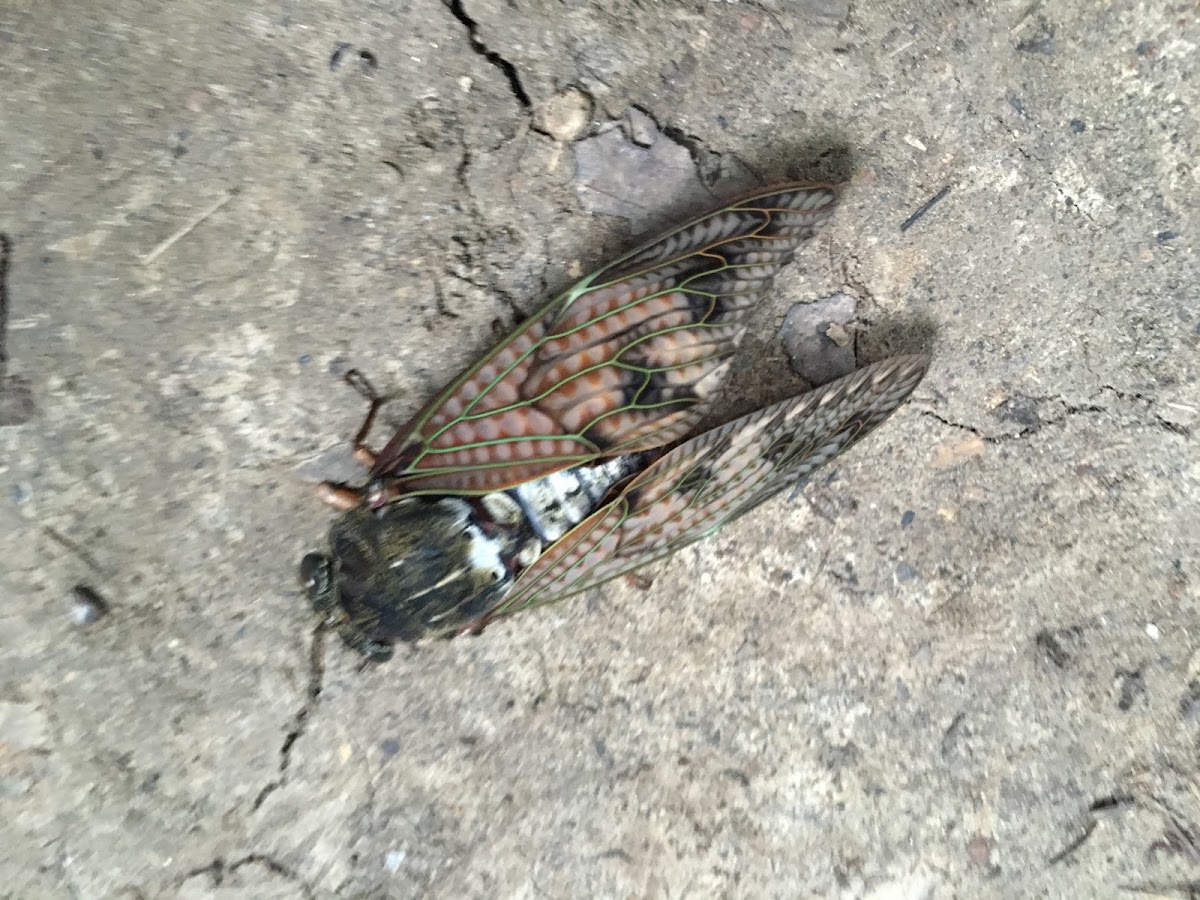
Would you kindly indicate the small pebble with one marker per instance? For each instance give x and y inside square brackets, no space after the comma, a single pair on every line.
[905,572]
[389,748]
[810,335]
[1078,126]
[1164,236]
[837,333]
[908,518]
[1152,631]
[979,850]
[87,606]
[394,860]
[565,116]
[335,58]
[642,129]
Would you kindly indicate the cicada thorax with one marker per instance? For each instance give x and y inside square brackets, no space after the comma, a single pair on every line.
[431,565]
[415,565]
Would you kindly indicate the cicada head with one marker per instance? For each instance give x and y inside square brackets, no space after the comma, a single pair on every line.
[410,568]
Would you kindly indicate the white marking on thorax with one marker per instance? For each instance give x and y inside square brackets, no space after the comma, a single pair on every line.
[485,553]
[433,587]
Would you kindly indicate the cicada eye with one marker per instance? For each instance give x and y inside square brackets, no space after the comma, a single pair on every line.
[314,571]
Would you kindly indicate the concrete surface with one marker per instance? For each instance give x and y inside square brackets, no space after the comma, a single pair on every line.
[967,668]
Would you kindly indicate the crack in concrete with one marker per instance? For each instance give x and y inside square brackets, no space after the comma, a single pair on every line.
[1073,844]
[1069,411]
[706,161]
[1178,837]
[1165,424]
[490,285]
[850,282]
[439,299]
[16,392]
[542,271]
[218,870]
[77,549]
[466,254]
[5,260]
[460,175]
[1024,432]
[316,677]
[1063,194]
[1187,890]
[506,68]
[860,291]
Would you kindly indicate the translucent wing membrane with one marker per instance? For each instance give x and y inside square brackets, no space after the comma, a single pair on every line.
[625,360]
[712,479]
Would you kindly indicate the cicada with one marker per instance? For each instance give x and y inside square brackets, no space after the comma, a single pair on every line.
[561,459]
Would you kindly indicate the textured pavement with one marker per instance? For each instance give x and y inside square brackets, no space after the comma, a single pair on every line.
[968,666]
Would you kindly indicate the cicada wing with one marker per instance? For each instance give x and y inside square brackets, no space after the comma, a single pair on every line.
[625,360]
[712,479]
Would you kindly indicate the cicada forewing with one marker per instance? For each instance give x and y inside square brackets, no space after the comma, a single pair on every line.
[712,479]
[625,360]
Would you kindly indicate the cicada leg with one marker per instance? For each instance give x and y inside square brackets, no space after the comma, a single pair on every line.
[358,381]
[340,496]
[475,628]
[638,581]
[343,497]
[356,639]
